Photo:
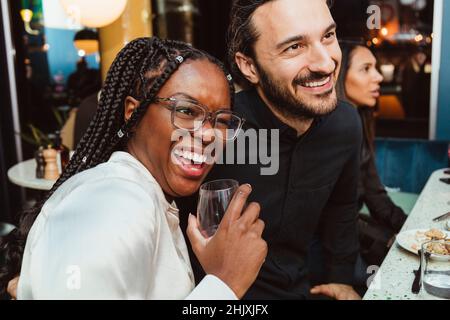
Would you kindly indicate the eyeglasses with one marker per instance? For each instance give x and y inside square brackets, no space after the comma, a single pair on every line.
[191,116]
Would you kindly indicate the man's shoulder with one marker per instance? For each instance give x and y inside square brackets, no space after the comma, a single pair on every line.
[343,124]
[346,115]
[346,109]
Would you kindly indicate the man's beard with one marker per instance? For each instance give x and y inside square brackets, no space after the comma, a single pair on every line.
[292,107]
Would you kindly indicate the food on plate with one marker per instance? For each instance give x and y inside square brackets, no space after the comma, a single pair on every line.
[424,236]
[439,248]
[435,234]
[412,240]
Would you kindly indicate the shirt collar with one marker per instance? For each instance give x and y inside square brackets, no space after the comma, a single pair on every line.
[122,156]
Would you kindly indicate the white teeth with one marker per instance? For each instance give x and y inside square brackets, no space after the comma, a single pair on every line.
[197,158]
[317,84]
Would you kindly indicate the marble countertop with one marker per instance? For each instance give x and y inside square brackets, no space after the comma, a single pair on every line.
[394,278]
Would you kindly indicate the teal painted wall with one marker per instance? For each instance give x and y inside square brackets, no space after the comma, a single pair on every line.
[443,112]
[62,55]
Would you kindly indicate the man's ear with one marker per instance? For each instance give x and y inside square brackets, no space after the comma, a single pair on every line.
[247,67]
[131,104]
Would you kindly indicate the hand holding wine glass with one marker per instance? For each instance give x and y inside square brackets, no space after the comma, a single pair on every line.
[236,252]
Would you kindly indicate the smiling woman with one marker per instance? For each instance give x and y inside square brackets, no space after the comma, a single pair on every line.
[109,228]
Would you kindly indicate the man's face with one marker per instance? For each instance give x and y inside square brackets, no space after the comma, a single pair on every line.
[297,57]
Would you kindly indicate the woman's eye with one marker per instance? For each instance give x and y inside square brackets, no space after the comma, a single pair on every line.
[223,122]
[187,111]
[330,35]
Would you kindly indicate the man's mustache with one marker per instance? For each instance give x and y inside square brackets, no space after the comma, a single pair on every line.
[312,77]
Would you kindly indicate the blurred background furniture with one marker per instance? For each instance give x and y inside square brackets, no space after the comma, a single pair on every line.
[406,164]
[24,174]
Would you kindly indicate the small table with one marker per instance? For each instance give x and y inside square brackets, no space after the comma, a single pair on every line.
[24,175]
[395,276]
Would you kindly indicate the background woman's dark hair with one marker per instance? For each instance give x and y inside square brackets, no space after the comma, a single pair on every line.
[140,70]
[348,47]
[242,34]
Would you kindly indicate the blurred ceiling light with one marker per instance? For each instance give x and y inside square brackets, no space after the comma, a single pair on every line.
[27,16]
[94,14]
[375,41]
[86,40]
[418,38]
[384,32]
[419,5]
[81,53]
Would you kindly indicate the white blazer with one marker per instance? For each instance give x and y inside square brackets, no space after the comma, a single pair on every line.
[109,233]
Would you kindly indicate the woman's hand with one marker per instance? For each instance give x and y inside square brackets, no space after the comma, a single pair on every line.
[236,252]
[12,287]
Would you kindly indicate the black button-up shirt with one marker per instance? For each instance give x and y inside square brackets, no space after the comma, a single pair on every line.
[313,194]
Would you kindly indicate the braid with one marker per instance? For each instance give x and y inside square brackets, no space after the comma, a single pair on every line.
[108,132]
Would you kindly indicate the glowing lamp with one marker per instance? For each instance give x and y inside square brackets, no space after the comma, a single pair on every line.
[86,41]
[94,14]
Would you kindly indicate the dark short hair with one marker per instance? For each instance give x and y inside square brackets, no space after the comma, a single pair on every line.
[242,34]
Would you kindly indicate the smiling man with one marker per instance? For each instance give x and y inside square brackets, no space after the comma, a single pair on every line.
[286,54]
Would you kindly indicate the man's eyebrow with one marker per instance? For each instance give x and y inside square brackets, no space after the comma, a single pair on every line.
[292,39]
[299,38]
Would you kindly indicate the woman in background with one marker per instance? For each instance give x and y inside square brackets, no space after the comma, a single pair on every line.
[359,84]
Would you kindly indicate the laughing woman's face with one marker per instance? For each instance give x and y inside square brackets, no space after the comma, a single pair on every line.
[199,82]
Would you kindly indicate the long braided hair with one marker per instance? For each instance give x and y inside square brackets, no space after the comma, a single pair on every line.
[140,70]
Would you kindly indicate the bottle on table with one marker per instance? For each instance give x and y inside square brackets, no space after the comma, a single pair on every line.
[51,171]
[40,163]
[63,156]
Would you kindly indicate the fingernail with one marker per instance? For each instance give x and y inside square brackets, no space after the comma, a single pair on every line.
[247,185]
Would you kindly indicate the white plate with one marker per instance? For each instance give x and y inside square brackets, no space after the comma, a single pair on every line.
[411,240]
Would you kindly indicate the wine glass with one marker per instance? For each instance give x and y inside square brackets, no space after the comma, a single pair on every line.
[214,199]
